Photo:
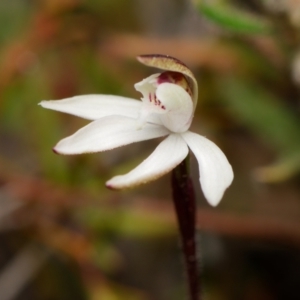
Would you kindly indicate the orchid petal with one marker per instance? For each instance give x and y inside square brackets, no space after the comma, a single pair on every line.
[108,133]
[168,154]
[215,171]
[93,107]
[178,104]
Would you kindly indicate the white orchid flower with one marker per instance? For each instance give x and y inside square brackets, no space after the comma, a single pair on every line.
[167,108]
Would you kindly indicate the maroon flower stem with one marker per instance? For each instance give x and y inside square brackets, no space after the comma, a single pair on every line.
[185,206]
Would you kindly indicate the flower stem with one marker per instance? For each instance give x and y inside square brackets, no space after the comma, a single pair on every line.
[185,206]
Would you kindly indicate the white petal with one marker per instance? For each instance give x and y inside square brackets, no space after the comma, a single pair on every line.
[93,107]
[168,154]
[108,133]
[215,171]
[178,104]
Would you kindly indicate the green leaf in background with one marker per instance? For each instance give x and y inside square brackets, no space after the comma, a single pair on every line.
[231,18]
[265,115]
[14,16]
[127,222]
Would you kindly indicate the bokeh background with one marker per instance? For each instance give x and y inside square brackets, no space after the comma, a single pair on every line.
[63,235]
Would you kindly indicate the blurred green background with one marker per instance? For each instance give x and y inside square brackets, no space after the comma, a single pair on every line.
[64,235]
